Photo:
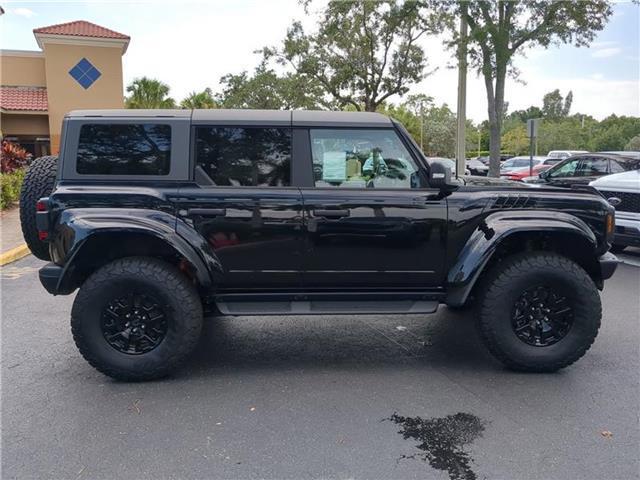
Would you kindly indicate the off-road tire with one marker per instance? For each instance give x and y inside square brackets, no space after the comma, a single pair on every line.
[149,275]
[38,182]
[507,281]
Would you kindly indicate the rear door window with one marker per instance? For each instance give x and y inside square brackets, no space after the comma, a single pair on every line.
[245,156]
[592,166]
[124,149]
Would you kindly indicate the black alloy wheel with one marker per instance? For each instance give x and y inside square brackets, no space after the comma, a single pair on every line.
[541,317]
[135,324]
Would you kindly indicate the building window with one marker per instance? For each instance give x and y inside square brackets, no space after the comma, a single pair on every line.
[85,73]
[248,157]
[124,149]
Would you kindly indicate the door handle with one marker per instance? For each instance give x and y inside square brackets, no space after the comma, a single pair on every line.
[331,213]
[207,212]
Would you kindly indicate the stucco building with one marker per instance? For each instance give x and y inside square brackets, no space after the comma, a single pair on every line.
[79,66]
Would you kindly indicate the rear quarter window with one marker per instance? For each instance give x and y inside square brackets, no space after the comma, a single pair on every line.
[124,149]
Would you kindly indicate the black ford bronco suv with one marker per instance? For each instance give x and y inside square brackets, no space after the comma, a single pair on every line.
[158,216]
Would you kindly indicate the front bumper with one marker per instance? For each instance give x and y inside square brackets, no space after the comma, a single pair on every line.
[608,264]
[627,230]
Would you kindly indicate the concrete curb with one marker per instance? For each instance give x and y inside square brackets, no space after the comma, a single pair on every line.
[14,254]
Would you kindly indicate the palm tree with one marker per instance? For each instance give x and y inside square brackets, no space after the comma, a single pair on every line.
[202,99]
[148,93]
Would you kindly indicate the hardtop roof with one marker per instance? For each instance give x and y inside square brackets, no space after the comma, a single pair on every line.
[249,117]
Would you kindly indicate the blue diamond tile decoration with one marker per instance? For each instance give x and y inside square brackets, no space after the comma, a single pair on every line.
[85,73]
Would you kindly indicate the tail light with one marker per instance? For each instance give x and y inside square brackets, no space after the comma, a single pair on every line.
[42,218]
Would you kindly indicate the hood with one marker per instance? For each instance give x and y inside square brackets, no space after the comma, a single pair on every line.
[626,182]
[477,181]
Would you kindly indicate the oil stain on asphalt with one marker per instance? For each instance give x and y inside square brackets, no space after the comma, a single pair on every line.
[443,441]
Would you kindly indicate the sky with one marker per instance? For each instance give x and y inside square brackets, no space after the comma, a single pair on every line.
[191,44]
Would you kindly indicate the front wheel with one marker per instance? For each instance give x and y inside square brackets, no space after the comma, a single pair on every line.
[539,312]
[136,318]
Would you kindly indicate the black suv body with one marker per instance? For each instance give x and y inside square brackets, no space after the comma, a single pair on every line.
[163,214]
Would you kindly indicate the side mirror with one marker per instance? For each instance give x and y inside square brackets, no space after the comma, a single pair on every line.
[440,176]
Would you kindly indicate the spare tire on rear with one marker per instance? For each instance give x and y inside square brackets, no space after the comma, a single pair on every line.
[38,182]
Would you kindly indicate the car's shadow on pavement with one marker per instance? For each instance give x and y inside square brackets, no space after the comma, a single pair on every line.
[447,339]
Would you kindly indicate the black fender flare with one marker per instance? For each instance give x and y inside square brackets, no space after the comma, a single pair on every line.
[494,230]
[76,229]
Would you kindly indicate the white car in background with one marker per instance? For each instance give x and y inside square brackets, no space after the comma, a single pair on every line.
[562,154]
[623,192]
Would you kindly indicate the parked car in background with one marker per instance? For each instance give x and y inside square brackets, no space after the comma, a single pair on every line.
[622,190]
[562,154]
[520,162]
[447,162]
[476,167]
[519,174]
[625,153]
[582,169]
[503,157]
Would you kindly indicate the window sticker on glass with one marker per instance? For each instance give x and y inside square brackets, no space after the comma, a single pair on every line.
[334,166]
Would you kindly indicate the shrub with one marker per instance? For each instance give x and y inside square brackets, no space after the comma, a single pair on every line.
[13,157]
[10,184]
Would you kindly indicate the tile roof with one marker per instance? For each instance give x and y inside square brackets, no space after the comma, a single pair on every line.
[23,98]
[80,28]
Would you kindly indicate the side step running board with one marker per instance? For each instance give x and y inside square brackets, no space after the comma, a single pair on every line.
[323,307]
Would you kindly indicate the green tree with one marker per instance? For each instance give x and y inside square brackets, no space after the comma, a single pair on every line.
[363,52]
[614,132]
[524,115]
[564,134]
[439,127]
[568,100]
[147,92]
[203,99]
[406,116]
[267,90]
[516,140]
[498,30]
[633,144]
[554,106]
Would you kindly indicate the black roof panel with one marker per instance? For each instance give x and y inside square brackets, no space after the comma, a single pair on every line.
[250,117]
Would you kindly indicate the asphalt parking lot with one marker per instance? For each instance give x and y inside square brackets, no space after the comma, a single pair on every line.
[376,397]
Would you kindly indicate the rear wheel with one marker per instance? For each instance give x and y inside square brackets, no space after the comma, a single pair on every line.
[136,318]
[539,312]
[38,182]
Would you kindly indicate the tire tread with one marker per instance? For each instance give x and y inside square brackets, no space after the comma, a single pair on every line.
[505,274]
[162,273]
[38,182]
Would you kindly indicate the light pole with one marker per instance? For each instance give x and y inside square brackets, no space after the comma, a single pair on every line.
[462,93]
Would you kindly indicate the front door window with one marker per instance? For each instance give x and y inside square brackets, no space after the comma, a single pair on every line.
[361,159]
